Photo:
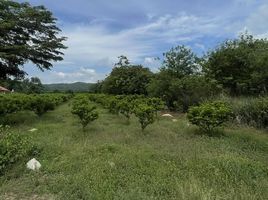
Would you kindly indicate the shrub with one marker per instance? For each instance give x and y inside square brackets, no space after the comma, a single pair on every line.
[41,105]
[13,146]
[86,112]
[252,111]
[112,105]
[209,116]
[125,107]
[145,114]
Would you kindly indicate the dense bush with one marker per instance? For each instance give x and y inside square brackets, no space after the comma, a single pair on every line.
[85,111]
[252,111]
[41,105]
[240,65]
[125,107]
[209,116]
[127,79]
[181,93]
[13,146]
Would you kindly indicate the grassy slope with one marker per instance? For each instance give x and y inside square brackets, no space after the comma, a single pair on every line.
[113,160]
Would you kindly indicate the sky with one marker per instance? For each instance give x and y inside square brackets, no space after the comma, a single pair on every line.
[99,31]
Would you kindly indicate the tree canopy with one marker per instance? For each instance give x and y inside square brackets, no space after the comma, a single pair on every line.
[127,79]
[240,65]
[28,33]
[180,61]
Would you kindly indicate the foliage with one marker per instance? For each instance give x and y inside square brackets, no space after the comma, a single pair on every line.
[177,163]
[85,111]
[125,107]
[145,114]
[180,61]
[67,87]
[160,86]
[252,111]
[40,103]
[28,33]
[181,93]
[112,104]
[240,65]
[192,90]
[127,79]
[13,147]
[28,86]
[209,116]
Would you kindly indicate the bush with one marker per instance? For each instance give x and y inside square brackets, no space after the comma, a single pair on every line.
[209,116]
[125,107]
[41,105]
[251,111]
[145,114]
[13,147]
[112,105]
[86,112]
[181,93]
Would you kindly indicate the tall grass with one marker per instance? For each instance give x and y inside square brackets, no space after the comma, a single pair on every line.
[252,111]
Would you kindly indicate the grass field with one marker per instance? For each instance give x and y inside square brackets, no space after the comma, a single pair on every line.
[115,160]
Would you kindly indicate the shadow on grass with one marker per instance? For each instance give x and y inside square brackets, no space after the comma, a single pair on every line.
[216,133]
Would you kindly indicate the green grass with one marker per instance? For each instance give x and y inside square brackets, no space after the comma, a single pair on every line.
[115,160]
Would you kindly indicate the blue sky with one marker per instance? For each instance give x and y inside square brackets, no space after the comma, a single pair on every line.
[99,31]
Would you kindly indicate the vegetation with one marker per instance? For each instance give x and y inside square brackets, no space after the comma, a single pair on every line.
[114,160]
[173,160]
[251,111]
[13,103]
[145,114]
[13,147]
[26,85]
[85,111]
[240,65]
[69,87]
[209,116]
[129,79]
[180,62]
[28,33]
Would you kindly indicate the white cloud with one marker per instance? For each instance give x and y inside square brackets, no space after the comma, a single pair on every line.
[82,75]
[92,44]
[257,22]
[152,63]
[200,46]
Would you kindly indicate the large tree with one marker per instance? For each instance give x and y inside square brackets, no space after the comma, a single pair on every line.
[240,65]
[179,65]
[180,61]
[28,33]
[127,79]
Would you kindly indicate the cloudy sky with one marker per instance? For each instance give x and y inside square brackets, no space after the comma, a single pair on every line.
[99,31]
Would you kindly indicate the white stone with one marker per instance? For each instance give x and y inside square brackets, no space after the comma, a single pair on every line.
[33,130]
[33,164]
[174,120]
[167,115]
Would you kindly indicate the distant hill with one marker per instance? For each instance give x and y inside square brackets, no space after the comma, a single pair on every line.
[63,87]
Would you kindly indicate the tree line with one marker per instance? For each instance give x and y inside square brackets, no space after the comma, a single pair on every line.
[237,67]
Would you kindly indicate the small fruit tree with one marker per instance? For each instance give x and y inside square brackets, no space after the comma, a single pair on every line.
[209,116]
[146,114]
[85,111]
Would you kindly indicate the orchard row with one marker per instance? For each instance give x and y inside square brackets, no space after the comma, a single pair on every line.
[144,108]
[39,104]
